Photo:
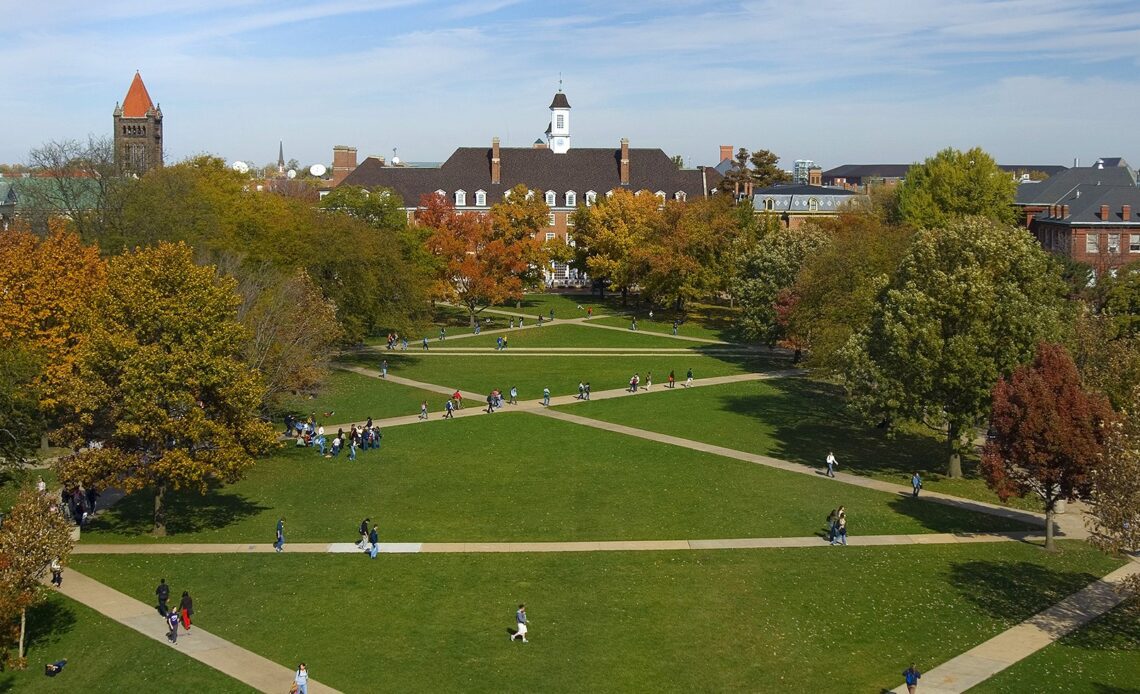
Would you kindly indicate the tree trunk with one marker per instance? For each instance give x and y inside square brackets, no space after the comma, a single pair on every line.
[23,629]
[1050,546]
[954,469]
[624,296]
[160,511]
[473,317]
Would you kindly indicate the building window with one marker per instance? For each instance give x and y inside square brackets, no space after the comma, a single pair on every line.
[1114,243]
[610,194]
[1091,242]
[460,198]
[560,121]
[680,196]
[813,205]
[441,193]
[480,198]
[571,199]
[660,196]
[550,236]
[569,240]
[551,198]
[569,221]
[591,198]
[1134,243]
[550,219]
[769,204]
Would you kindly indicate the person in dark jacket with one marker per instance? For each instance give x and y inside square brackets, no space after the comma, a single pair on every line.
[163,593]
[186,610]
[374,538]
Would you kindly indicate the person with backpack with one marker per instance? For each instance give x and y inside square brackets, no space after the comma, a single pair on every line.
[916,484]
[447,410]
[911,677]
[363,533]
[163,593]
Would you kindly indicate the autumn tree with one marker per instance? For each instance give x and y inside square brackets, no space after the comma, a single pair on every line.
[608,235]
[953,184]
[1109,363]
[478,267]
[837,286]
[160,391]
[33,534]
[517,221]
[21,419]
[1048,433]
[1114,514]
[967,305]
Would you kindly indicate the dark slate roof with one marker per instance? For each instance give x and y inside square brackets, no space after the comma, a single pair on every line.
[1085,201]
[1052,189]
[801,189]
[1047,169]
[560,101]
[797,197]
[1111,161]
[579,170]
[868,171]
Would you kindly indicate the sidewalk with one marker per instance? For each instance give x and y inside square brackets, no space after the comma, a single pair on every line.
[242,665]
[986,660]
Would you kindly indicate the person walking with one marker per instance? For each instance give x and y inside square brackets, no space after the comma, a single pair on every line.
[512,323]
[633,324]
[911,676]
[442,334]
[672,379]
[915,483]
[171,620]
[589,312]
[163,593]
[424,344]
[546,397]
[520,321]
[689,379]
[675,324]
[363,543]
[423,410]
[521,624]
[384,369]
[301,679]
[458,398]
[581,390]
[832,525]
[648,380]
[186,610]
[352,450]
[374,540]
[514,396]
[41,486]
[841,529]
[490,403]
[587,390]
[56,573]
[447,408]
[279,543]
[832,463]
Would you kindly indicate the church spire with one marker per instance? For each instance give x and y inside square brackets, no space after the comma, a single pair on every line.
[137,102]
[280,156]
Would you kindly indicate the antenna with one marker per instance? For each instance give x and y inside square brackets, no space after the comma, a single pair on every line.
[559,80]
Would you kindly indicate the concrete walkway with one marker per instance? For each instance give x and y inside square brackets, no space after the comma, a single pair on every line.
[986,660]
[587,546]
[242,665]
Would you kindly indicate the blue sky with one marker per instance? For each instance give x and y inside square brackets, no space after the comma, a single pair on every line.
[1032,81]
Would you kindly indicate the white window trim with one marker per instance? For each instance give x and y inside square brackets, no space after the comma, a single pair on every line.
[461,198]
[1134,243]
[550,220]
[551,198]
[571,199]
[480,198]
[591,198]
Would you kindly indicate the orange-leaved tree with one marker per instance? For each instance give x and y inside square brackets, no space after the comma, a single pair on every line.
[478,267]
[160,392]
[1048,433]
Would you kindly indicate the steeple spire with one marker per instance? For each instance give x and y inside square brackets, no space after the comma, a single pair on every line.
[137,103]
[280,156]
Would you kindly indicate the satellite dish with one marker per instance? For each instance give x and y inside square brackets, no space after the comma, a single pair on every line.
[395,161]
[240,167]
[290,174]
[317,170]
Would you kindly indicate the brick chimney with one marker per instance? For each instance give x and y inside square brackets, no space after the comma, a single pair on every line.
[725,153]
[625,161]
[1126,213]
[496,163]
[815,176]
[1064,211]
[1104,213]
[344,163]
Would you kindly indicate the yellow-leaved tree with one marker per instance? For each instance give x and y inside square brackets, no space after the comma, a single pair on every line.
[160,395]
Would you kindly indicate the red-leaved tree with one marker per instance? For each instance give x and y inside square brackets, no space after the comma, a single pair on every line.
[1048,433]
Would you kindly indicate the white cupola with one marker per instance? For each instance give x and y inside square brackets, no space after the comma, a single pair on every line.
[558,134]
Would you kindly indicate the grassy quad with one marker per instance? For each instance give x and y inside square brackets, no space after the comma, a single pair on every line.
[798,420]
[561,373]
[571,335]
[1101,658]
[105,656]
[522,477]
[353,397]
[767,620]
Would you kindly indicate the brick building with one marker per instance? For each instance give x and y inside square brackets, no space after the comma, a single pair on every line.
[795,203]
[1098,225]
[138,131]
[475,178]
[1034,197]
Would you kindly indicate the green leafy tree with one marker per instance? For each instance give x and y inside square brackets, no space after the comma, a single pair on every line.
[1121,302]
[160,387]
[1114,514]
[21,420]
[765,169]
[768,271]
[1109,363]
[953,184]
[34,534]
[967,305]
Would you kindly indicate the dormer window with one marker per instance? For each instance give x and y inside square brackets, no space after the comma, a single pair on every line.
[551,198]
[480,198]
[460,198]
[660,196]
[769,204]
[610,194]
[680,196]
[571,199]
[813,205]
[530,195]
[591,198]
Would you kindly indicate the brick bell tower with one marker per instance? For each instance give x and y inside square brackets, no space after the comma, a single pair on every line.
[138,131]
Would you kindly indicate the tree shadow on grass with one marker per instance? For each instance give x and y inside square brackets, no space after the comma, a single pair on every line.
[49,620]
[960,519]
[1014,591]
[186,512]
[1119,630]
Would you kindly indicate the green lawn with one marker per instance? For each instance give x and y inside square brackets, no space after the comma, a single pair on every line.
[519,477]
[352,397]
[798,420]
[573,335]
[561,373]
[1102,658]
[564,305]
[760,620]
[663,324]
[104,656]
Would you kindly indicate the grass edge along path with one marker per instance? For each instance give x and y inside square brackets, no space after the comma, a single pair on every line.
[222,655]
[987,659]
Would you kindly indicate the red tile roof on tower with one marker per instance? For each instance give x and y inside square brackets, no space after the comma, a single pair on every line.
[137,102]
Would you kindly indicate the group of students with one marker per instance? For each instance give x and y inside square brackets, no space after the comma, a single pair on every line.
[369,538]
[635,381]
[837,526]
[395,339]
[365,437]
[495,399]
[174,618]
